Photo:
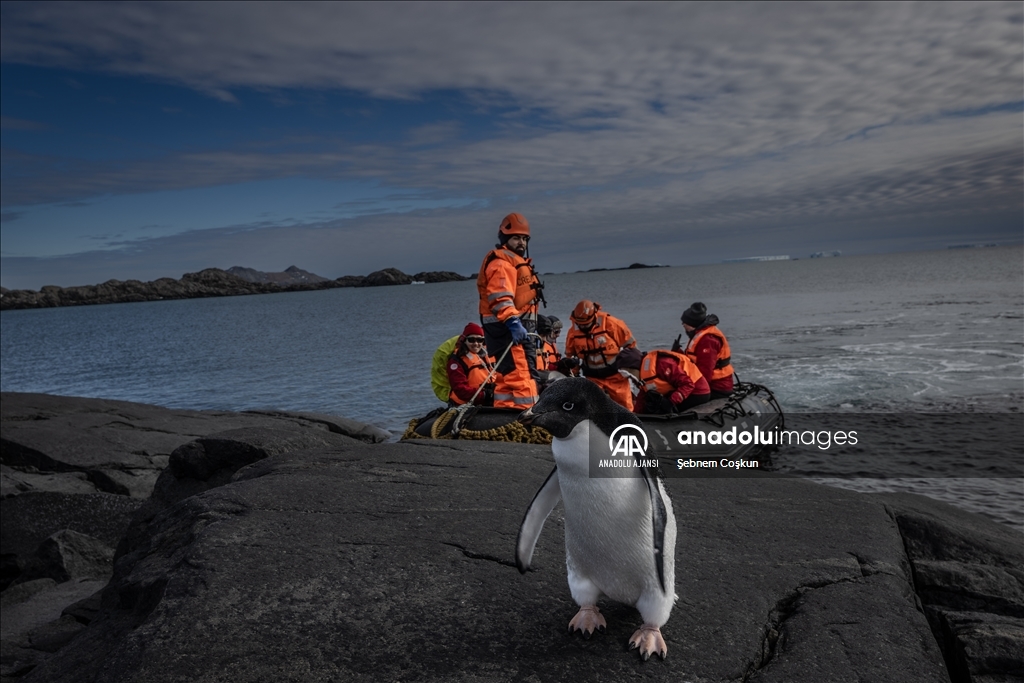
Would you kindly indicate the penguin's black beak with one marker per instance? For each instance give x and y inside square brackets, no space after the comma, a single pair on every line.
[526,417]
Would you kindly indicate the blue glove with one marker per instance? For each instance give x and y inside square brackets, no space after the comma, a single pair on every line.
[519,333]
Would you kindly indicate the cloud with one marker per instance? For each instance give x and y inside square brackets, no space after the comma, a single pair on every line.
[844,65]
[9,123]
[663,122]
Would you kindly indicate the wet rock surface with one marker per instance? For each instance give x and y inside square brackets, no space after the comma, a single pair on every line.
[297,553]
[86,466]
[28,520]
[79,445]
[395,562]
[970,579]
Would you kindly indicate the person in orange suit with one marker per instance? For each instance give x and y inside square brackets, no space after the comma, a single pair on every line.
[509,292]
[709,349]
[672,383]
[469,368]
[597,340]
[548,327]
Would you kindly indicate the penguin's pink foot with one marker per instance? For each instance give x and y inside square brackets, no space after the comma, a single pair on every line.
[649,641]
[588,620]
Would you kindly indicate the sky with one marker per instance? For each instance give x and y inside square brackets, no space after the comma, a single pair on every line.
[147,140]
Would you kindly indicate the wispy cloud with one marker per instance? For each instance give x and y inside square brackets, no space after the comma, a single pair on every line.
[663,121]
[10,123]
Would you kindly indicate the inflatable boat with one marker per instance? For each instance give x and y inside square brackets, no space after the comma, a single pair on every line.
[740,426]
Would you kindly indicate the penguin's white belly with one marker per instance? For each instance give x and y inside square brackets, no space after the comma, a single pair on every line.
[609,538]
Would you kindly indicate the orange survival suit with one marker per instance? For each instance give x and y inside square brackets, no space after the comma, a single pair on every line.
[508,287]
[596,338]
[709,349]
[671,383]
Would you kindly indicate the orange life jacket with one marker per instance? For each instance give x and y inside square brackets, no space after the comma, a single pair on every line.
[477,370]
[649,371]
[598,347]
[723,365]
[547,356]
[513,290]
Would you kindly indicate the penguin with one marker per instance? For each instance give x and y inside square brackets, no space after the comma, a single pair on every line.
[620,533]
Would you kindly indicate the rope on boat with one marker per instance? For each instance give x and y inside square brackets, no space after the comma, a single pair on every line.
[513,432]
[734,408]
[448,422]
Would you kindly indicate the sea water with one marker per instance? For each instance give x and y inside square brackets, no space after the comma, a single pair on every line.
[926,332]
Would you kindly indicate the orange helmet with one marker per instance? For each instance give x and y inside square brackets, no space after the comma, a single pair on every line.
[514,224]
[585,313]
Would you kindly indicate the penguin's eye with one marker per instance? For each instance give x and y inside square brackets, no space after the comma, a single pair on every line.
[567,406]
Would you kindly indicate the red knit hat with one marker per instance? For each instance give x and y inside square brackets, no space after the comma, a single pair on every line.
[472,330]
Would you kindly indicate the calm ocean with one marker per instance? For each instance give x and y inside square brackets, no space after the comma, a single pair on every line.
[927,332]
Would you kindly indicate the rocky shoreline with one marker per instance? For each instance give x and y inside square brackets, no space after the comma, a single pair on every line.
[206,283]
[147,544]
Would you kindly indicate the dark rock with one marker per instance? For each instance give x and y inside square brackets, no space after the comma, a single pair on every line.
[22,652]
[84,447]
[823,626]
[14,482]
[54,635]
[350,281]
[209,282]
[136,483]
[11,565]
[339,425]
[970,587]
[984,646]
[77,445]
[236,281]
[21,592]
[28,519]
[969,575]
[17,659]
[388,276]
[439,276]
[86,609]
[394,562]
[211,461]
[69,555]
[25,612]
[248,274]
[293,275]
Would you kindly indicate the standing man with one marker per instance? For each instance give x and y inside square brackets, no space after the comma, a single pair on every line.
[709,349]
[509,291]
[597,339]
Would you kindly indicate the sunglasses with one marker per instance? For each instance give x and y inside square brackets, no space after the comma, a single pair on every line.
[475,340]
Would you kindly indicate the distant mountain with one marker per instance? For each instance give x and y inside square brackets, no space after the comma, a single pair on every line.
[293,275]
[235,281]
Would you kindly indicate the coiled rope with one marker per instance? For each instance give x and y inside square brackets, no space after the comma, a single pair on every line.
[513,432]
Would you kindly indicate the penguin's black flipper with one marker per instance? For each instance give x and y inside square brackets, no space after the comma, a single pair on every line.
[659,519]
[529,531]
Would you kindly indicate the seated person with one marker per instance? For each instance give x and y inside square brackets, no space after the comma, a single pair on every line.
[708,348]
[594,342]
[468,368]
[548,327]
[672,383]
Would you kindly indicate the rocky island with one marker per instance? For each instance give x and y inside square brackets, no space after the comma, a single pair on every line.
[235,281]
[147,544]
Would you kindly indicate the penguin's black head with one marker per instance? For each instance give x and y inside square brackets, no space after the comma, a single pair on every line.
[567,402]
